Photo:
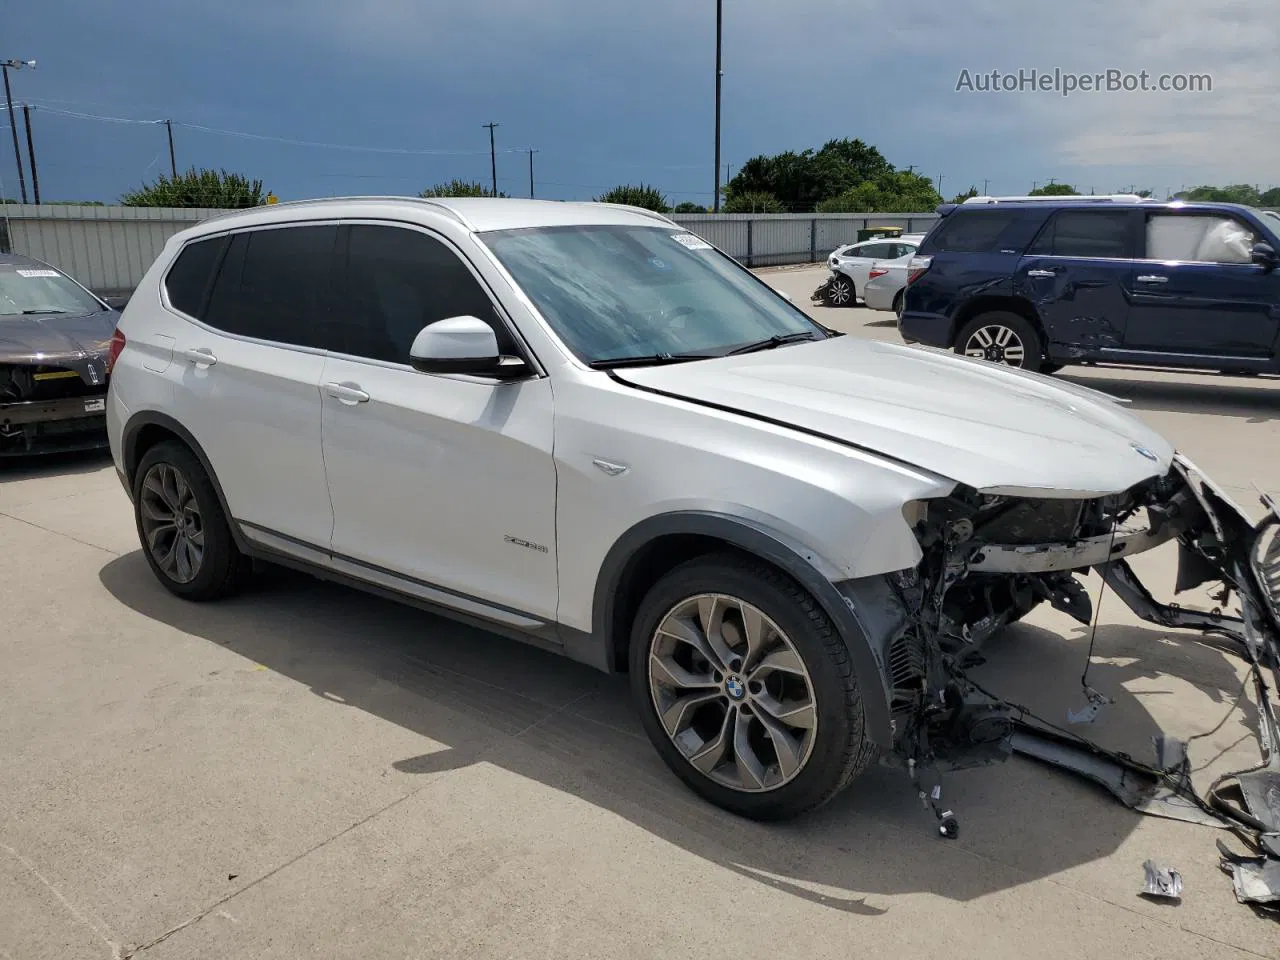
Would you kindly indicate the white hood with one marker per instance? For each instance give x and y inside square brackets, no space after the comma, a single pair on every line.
[989,427]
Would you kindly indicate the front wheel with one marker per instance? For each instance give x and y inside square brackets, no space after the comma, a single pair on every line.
[746,689]
[840,292]
[1002,337]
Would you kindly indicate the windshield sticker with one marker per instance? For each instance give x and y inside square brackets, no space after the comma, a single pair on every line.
[37,273]
[690,241]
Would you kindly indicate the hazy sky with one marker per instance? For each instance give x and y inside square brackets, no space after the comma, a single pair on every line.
[618,92]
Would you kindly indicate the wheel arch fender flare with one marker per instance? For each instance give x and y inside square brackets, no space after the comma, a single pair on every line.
[136,426]
[802,564]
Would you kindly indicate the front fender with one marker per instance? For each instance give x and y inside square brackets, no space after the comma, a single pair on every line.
[759,539]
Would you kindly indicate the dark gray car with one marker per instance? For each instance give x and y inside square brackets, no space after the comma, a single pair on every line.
[54,340]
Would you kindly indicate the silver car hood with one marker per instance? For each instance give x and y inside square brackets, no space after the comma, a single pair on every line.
[989,427]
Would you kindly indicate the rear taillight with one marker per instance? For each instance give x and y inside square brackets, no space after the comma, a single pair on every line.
[876,272]
[113,353]
[917,267]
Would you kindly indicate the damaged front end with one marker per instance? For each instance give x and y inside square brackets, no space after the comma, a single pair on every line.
[989,560]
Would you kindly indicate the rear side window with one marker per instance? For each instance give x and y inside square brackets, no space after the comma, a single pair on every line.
[1106,234]
[274,285]
[973,232]
[188,280]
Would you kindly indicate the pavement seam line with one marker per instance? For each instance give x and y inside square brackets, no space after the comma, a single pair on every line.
[59,533]
[436,778]
[97,926]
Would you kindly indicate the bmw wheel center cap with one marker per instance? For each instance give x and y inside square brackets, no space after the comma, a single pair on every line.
[735,688]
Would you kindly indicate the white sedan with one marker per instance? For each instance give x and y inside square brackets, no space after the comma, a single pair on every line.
[886,285]
[851,265]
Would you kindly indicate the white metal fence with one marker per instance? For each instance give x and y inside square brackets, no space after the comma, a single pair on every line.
[109,248]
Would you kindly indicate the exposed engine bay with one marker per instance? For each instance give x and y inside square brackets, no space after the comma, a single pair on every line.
[989,560]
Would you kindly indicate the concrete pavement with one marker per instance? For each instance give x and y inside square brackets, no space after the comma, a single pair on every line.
[307,771]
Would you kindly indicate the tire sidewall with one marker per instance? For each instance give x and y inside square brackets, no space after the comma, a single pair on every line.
[219,548]
[835,724]
[1033,347]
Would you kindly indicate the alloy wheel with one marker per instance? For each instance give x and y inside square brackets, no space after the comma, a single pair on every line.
[841,292]
[172,527]
[997,344]
[732,693]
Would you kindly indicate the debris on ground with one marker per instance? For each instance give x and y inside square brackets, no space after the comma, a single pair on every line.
[1162,882]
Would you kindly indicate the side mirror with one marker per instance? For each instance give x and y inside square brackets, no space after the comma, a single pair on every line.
[461,345]
[1264,255]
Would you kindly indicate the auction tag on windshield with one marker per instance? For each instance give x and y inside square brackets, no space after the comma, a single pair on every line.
[690,241]
[37,273]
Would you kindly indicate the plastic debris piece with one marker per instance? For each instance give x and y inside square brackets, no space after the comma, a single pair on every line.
[1090,713]
[1163,882]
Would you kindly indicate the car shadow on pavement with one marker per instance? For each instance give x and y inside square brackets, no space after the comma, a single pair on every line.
[573,729]
[1256,399]
[36,466]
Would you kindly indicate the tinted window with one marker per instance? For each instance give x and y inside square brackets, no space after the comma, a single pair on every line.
[1086,233]
[274,285]
[878,251]
[399,281]
[187,282]
[972,232]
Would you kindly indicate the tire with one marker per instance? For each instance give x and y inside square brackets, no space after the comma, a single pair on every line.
[898,300]
[825,729]
[995,337]
[170,474]
[841,292]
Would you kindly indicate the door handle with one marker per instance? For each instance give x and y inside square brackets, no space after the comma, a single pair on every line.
[348,393]
[1152,278]
[1042,273]
[200,356]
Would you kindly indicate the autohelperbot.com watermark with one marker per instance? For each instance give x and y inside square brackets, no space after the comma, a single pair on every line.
[1065,82]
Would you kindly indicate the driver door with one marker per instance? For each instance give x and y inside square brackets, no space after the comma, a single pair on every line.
[441,484]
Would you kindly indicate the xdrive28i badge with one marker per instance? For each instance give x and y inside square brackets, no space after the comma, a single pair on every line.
[1143,451]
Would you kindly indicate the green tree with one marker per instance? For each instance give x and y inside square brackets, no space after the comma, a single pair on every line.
[962,197]
[1234,193]
[1055,190]
[642,195]
[753,202]
[898,192]
[215,189]
[686,206]
[1270,198]
[460,188]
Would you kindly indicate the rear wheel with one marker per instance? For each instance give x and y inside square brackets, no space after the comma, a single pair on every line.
[183,530]
[898,299]
[1002,337]
[746,689]
[840,292]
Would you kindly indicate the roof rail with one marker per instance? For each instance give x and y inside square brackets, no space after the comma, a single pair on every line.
[1069,198]
[325,201]
[644,211]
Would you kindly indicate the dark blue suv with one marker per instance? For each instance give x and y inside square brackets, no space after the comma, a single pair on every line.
[1042,283]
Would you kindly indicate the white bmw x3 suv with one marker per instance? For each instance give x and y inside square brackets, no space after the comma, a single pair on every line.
[582,426]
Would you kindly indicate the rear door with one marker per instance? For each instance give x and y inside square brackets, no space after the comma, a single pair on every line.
[246,378]
[1196,290]
[1077,273]
[856,264]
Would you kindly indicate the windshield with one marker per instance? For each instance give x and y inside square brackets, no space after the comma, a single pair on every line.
[612,292]
[35,289]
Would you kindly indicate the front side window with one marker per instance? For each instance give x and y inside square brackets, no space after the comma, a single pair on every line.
[274,284]
[399,281]
[615,292]
[1199,238]
[37,289]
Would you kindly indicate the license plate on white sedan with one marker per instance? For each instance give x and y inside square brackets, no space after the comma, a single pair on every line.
[95,406]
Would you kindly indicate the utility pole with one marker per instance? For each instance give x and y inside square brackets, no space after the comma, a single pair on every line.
[493,156]
[719,77]
[31,152]
[173,163]
[984,187]
[939,184]
[531,153]
[1033,185]
[5,67]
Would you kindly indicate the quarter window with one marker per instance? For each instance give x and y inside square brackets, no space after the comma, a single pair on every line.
[274,285]
[188,280]
[399,281]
